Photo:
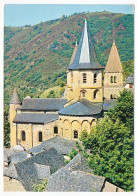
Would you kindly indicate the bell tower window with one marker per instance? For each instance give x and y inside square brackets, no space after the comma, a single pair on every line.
[84,78]
[40,136]
[56,130]
[115,79]
[95,78]
[111,79]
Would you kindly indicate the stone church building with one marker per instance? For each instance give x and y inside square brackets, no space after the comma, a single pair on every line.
[85,99]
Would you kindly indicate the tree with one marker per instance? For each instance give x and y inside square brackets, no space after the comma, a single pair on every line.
[111,144]
[40,187]
[51,94]
[6,129]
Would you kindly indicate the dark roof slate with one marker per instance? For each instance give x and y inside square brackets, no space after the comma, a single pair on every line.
[43,171]
[17,156]
[81,108]
[7,152]
[41,118]
[130,79]
[26,169]
[11,172]
[79,163]
[93,59]
[66,180]
[63,146]
[47,104]
[109,104]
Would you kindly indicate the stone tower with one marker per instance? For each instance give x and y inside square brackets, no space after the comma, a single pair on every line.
[113,75]
[84,75]
[14,105]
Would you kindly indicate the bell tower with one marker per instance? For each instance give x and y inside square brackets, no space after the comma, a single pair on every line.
[84,74]
[113,75]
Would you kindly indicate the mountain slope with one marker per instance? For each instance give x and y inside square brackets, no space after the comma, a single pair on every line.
[36,57]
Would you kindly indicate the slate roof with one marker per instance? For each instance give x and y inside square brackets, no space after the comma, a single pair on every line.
[68,180]
[85,55]
[113,64]
[35,118]
[47,104]
[11,172]
[109,104]
[63,146]
[17,156]
[79,163]
[7,152]
[26,169]
[81,108]
[130,79]
[43,171]
[15,99]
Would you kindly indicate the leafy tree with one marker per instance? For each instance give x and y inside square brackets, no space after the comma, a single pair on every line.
[124,110]
[111,144]
[6,129]
[41,187]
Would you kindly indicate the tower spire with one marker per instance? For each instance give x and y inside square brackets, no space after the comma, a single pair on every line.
[15,99]
[114,63]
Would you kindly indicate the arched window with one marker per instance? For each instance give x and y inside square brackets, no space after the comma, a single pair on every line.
[56,130]
[111,79]
[111,96]
[84,77]
[23,136]
[75,134]
[40,136]
[83,93]
[95,78]
[115,79]
[95,94]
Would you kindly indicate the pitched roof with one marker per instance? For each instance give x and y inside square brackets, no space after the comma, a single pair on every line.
[114,63]
[11,172]
[7,152]
[69,180]
[63,146]
[85,56]
[15,99]
[47,104]
[79,163]
[35,118]
[43,171]
[81,108]
[17,156]
[26,169]
[130,79]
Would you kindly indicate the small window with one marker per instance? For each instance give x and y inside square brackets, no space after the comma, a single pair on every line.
[111,79]
[75,134]
[115,79]
[23,136]
[83,93]
[95,94]
[95,78]
[40,136]
[111,96]
[84,77]
[55,130]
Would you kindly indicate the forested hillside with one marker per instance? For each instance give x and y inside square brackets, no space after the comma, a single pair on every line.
[36,57]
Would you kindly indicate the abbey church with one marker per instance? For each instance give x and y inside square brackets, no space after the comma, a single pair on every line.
[85,100]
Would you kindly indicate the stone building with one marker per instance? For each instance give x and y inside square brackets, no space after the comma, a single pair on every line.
[85,99]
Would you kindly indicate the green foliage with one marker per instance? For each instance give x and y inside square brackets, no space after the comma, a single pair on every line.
[73,153]
[41,187]
[6,129]
[51,94]
[112,145]
[124,110]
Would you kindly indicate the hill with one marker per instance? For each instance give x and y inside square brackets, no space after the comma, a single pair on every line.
[36,57]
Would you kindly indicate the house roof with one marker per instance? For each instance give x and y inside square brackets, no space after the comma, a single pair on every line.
[130,79]
[7,152]
[114,63]
[47,104]
[35,118]
[43,171]
[17,156]
[63,146]
[27,171]
[15,99]
[79,163]
[84,57]
[11,172]
[68,180]
[81,108]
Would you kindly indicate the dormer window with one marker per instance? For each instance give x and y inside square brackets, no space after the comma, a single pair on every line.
[84,78]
